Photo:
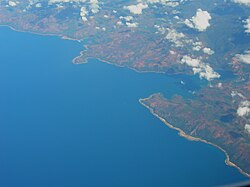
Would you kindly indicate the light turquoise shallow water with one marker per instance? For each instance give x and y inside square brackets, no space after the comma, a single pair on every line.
[81,125]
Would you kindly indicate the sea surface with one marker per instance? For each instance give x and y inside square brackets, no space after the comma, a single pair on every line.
[66,125]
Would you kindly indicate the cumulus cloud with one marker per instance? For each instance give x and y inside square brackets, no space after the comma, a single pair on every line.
[132,25]
[66,1]
[247,128]
[244,58]
[243,109]
[162,2]
[83,14]
[94,6]
[136,9]
[126,18]
[144,4]
[128,21]
[197,46]
[12,3]
[175,37]
[193,62]
[247,25]
[208,51]
[204,70]
[244,2]
[200,21]
[236,93]
[38,5]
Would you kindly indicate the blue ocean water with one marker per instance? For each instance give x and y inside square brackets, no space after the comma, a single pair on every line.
[64,125]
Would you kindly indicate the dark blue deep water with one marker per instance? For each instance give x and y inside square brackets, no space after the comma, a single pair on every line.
[66,125]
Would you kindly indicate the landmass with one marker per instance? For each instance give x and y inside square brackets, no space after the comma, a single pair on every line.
[206,39]
[202,124]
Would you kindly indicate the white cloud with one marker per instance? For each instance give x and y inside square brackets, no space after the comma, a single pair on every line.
[127,18]
[172,4]
[162,2]
[247,128]
[119,23]
[204,70]
[244,58]
[200,21]
[193,62]
[84,14]
[175,37]
[245,2]
[12,3]
[197,46]
[94,6]
[243,109]
[160,29]
[132,25]
[247,25]
[219,85]
[38,5]
[136,9]
[208,51]
[128,21]
[236,93]
[66,1]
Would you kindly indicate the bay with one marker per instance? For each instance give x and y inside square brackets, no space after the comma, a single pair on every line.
[82,125]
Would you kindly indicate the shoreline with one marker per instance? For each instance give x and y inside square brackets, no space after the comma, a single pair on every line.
[82,52]
[113,64]
[41,34]
[181,133]
[128,67]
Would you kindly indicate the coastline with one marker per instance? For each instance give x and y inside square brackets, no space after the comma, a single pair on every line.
[82,52]
[121,66]
[180,131]
[41,34]
[192,138]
